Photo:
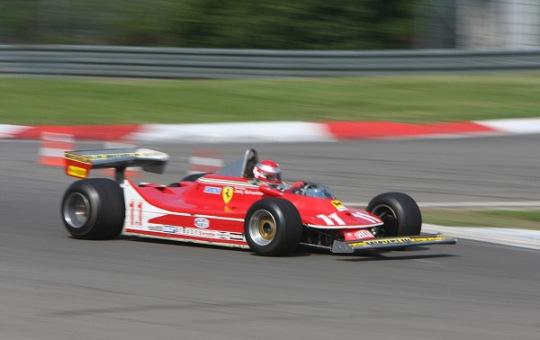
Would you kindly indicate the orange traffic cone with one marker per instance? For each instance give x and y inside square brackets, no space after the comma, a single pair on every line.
[53,145]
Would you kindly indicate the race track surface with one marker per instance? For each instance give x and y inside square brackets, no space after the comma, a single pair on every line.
[55,287]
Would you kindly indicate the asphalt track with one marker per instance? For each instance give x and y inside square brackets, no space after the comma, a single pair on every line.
[55,287]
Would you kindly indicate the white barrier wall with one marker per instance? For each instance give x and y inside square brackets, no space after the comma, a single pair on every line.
[497,23]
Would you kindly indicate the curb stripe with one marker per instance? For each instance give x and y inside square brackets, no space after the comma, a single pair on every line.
[293,131]
[365,130]
[521,238]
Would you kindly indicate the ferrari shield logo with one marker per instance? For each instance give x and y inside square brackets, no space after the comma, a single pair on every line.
[227,194]
[338,205]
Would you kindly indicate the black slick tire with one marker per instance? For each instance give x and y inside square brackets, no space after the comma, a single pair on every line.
[286,222]
[93,209]
[399,212]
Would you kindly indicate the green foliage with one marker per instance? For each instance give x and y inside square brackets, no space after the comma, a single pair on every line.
[402,98]
[502,218]
[530,215]
[18,20]
[284,24]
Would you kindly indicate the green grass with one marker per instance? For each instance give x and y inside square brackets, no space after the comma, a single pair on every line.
[402,98]
[503,218]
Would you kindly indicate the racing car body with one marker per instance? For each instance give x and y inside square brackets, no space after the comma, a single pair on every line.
[230,208]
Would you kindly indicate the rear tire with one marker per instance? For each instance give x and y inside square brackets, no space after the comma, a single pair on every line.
[273,227]
[93,209]
[399,212]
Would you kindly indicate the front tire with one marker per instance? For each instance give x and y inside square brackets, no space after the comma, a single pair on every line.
[399,212]
[93,209]
[273,227]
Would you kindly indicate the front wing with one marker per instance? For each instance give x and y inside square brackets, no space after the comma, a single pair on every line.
[340,247]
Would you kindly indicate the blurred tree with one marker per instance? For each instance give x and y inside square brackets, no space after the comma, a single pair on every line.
[19,20]
[143,22]
[300,24]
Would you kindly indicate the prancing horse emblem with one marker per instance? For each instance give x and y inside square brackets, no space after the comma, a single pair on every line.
[227,194]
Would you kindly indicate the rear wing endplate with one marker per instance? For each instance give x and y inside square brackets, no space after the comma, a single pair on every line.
[78,163]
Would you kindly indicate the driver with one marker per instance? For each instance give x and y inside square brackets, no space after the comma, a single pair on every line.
[268,172]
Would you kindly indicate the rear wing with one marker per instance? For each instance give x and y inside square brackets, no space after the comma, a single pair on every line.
[78,163]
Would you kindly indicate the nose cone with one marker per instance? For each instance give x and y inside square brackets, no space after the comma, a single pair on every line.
[366,217]
[348,219]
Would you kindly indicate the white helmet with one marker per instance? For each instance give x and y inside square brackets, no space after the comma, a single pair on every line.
[267,171]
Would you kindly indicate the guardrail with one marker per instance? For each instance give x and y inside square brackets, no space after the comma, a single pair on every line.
[147,62]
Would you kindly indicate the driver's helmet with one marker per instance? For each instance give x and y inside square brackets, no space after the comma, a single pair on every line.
[267,171]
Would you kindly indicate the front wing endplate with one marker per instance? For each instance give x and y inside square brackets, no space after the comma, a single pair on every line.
[340,247]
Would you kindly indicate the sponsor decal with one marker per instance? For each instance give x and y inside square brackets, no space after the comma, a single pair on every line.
[164,229]
[427,239]
[248,191]
[212,190]
[362,234]
[195,232]
[201,222]
[355,235]
[396,241]
[169,229]
[389,241]
[227,194]
[77,171]
[339,205]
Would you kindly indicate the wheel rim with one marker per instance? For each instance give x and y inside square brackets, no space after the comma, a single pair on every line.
[262,227]
[388,216]
[76,210]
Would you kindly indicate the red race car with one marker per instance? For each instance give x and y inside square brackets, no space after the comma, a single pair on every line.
[244,205]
